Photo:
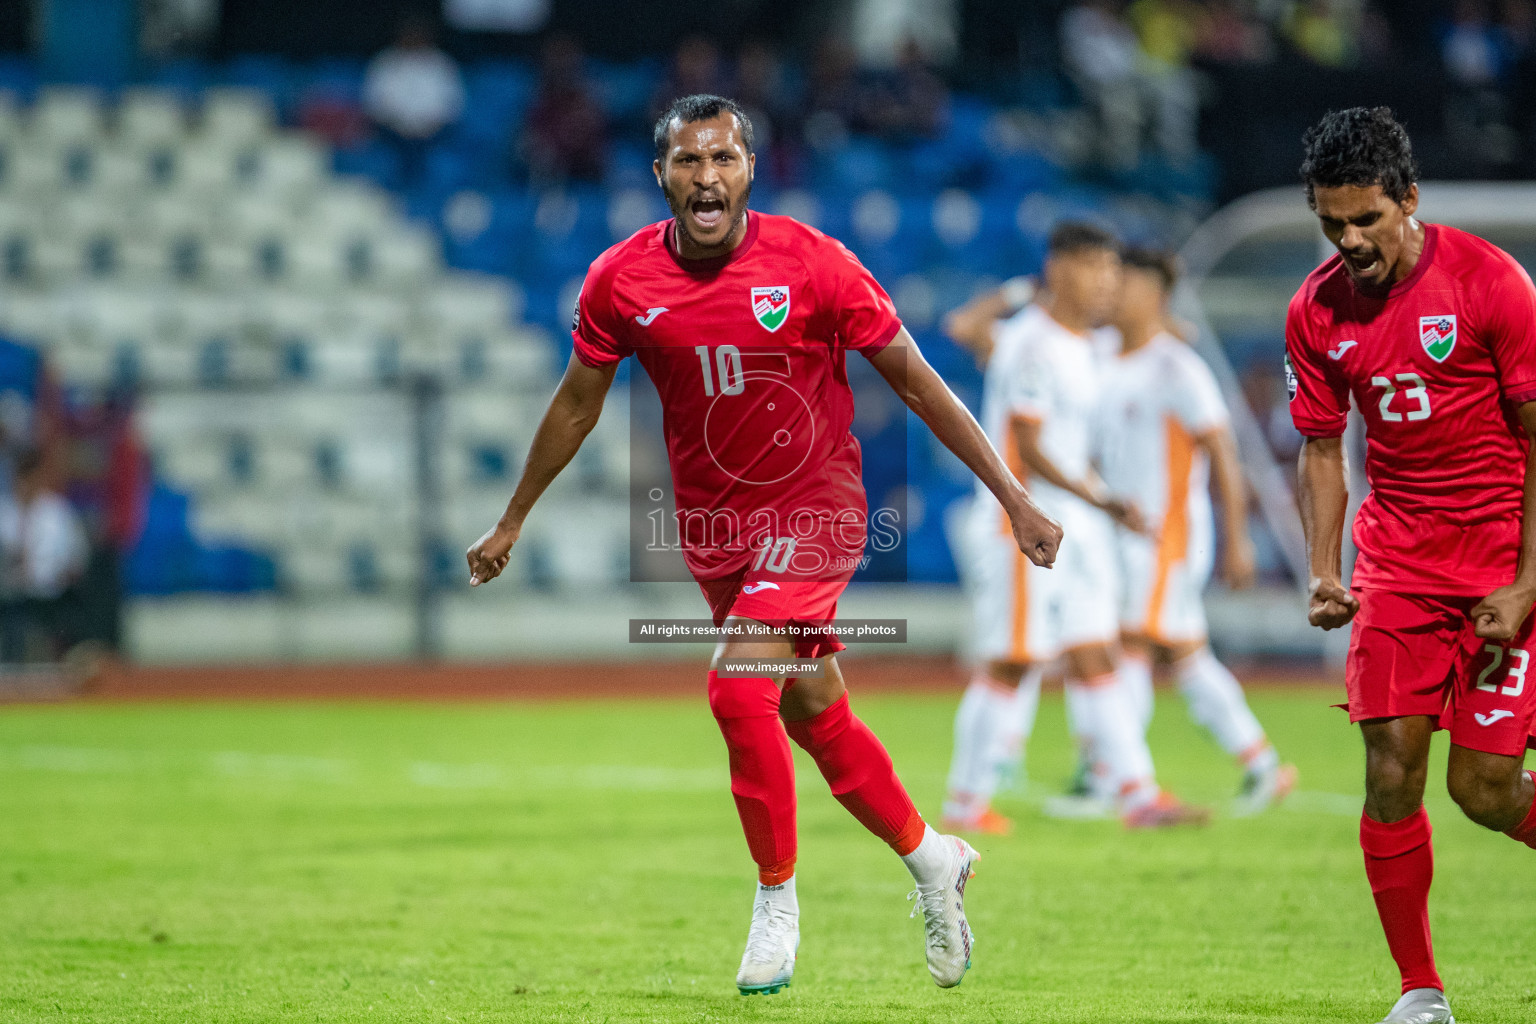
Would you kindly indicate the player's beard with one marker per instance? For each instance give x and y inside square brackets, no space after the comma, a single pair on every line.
[679,209]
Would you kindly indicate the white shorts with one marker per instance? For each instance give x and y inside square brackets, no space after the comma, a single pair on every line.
[1162,590]
[1023,613]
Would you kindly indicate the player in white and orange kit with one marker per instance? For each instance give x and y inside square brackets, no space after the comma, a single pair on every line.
[1164,426]
[744,322]
[1039,406]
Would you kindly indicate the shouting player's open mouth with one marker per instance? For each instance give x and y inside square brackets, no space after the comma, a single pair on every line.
[708,213]
[1364,265]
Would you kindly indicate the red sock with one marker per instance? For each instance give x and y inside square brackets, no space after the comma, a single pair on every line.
[1525,832]
[857,767]
[762,771]
[1399,862]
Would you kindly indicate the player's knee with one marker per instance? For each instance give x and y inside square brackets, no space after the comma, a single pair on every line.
[1395,784]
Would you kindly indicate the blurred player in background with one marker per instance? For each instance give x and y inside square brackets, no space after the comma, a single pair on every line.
[1039,405]
[1433,331]
[1164,429]
[743,322]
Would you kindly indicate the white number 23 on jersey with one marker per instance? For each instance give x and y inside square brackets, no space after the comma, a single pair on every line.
[1416,393]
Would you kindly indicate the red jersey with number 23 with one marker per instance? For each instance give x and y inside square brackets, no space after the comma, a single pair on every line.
[1436,368]
[747,354]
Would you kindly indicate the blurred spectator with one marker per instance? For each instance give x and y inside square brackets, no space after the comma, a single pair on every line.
[31,409]
[44,549]
[565,134]
[765,93]
[1167,30]
[909,102]
[1320,31]
[1477,59]
[413,91]
[833,95]
[696,68]
[1519,27]
[1225,34]
[109,481]
[1127,88]
[1472,50]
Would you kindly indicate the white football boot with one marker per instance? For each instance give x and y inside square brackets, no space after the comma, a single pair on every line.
[769,960]
[1263,788]
[1420,1006]
[941,865]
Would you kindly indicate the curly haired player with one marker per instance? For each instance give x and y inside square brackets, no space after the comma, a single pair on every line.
[1433,331]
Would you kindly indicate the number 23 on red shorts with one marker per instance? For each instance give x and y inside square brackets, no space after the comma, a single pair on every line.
[1415,654]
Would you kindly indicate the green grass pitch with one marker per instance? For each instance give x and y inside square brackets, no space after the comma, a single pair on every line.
[581,862]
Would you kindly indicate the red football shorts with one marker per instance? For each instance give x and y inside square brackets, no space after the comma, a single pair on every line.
[1411,654]
[808,605]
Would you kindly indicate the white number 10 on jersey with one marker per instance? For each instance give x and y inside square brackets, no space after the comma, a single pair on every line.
[728,362]
[1417,393]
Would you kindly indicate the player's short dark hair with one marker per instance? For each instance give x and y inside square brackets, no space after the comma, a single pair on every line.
[1074,236]
[1160,262]
[699,107]
[1359,146]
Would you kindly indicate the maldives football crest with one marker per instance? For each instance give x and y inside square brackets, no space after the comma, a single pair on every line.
[771,306]
[1438,335]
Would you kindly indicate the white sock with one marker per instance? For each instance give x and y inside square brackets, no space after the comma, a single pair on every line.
[1121,759]
[1079,711]
[1136,683]
[973,775]
[1217,703]
[782,895]
[931,861]
[1006,754]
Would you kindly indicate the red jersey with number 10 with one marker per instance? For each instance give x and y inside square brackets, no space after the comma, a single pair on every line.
[747,354]
[1436,368]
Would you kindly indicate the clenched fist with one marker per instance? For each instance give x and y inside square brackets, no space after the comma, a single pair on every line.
[1037,534]
[489,555]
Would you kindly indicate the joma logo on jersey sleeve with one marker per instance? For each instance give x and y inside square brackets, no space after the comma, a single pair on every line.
[771,306]
[1438,335]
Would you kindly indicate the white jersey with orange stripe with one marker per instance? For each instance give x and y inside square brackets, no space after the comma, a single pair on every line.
[1156,401]
[1042,371]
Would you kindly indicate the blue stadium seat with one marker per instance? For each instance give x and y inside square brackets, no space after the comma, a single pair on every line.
[859,165]
[497,93]
[625,92]
[18,75]
[270,73]
[371,159]
[187,76]
[337,77]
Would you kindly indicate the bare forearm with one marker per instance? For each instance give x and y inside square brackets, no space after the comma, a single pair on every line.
[571,415]
[1323,494]
[555,444]
[1230,488]
[1025,435]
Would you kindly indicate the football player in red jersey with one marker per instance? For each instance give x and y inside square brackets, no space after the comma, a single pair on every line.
[743,320]
[1433,331]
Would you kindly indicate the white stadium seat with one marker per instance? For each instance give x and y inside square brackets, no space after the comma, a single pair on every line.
[235,118]
[150,118]
[67,115]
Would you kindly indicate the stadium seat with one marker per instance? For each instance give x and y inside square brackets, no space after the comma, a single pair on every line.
[236,118]
[67,115]
[150,119]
